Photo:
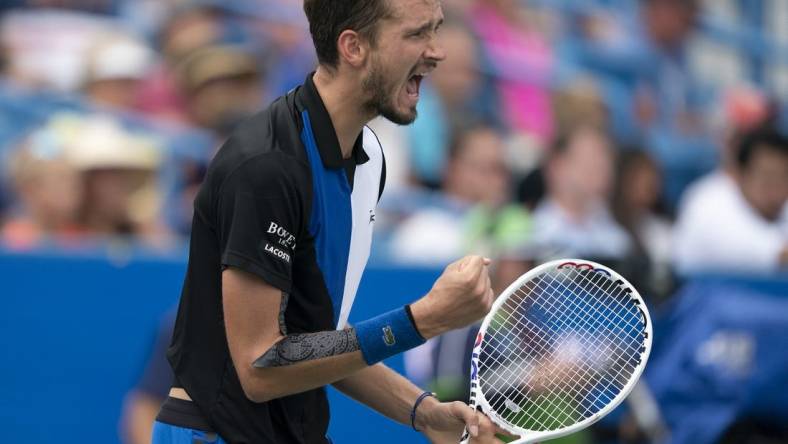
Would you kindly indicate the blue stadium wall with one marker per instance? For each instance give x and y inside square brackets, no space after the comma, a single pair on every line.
[75,334]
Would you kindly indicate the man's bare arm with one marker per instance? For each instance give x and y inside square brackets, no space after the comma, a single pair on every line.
[252,310]
[293,349]
[389,393]
[384,390]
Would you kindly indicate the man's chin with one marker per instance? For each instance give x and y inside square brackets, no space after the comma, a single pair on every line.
[398,117]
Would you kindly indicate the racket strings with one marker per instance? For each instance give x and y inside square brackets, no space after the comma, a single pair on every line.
[613,371]
[586,375]
[574,353]
[586,312]
[576,393]
[591,375]
[540,375]
[632,316]
[543,335]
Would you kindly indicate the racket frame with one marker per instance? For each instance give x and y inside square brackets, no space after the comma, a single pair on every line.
[477,399]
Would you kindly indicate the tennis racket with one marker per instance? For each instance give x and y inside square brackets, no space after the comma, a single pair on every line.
[560,348]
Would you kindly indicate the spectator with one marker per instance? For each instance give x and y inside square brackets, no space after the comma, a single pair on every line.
[118,171]
[668,96]
[116,67]
[48,194]
[470,208]
[743,108]
[283,32]
[189,28]
[476,171]
[739,222]
[523,61]
[652,91]
[579,102]
[3,61]
[574,219]
[221,85]
[636,206]
[97,6]
[46,48]
[643,55]
[636,201]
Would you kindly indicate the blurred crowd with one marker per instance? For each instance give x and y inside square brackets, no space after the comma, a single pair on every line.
[616,130]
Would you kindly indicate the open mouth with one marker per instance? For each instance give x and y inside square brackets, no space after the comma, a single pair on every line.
[414,84]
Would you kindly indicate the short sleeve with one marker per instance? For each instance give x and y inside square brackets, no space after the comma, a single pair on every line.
[259,218]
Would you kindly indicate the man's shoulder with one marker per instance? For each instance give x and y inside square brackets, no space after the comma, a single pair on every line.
[265,145]
[277,122]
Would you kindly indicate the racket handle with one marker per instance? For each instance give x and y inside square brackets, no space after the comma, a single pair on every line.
[466,437]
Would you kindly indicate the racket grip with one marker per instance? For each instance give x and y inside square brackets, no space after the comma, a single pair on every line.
[466,436]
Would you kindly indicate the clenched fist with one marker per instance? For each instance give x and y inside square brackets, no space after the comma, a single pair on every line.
[461,296]
[444,423]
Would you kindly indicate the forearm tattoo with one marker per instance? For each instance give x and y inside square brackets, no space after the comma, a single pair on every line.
[282,309]
[309,346]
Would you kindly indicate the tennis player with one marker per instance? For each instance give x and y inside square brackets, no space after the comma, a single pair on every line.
[280,238]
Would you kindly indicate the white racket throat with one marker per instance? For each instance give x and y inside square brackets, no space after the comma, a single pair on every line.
[561,347]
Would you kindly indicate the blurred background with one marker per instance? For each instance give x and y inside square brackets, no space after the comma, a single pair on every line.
[649,135]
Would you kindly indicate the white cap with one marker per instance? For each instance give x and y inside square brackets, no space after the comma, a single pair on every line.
[100,142]
[118,57]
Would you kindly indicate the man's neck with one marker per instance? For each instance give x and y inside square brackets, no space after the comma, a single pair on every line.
[344,105]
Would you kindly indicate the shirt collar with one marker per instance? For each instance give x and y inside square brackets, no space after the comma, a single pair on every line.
[323,129]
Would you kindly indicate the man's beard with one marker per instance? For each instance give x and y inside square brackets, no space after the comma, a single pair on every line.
[380,102]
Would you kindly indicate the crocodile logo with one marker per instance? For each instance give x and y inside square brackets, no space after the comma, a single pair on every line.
[388,336]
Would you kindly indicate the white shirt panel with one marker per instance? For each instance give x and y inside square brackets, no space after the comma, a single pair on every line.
[364,200]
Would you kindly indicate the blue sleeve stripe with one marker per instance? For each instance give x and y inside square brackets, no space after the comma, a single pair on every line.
[387,335]
[331,220]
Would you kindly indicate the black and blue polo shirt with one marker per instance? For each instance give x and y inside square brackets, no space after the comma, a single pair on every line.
[278,201]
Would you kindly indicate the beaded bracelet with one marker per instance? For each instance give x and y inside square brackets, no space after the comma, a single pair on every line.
[416,405]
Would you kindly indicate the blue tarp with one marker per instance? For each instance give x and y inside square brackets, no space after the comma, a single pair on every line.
[721,354]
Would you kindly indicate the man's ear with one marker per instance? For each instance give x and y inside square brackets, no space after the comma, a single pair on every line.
[352,48]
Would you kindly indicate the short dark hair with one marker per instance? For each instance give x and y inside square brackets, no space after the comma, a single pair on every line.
[564,137]
[766,138]
[462,131]
[329,18]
